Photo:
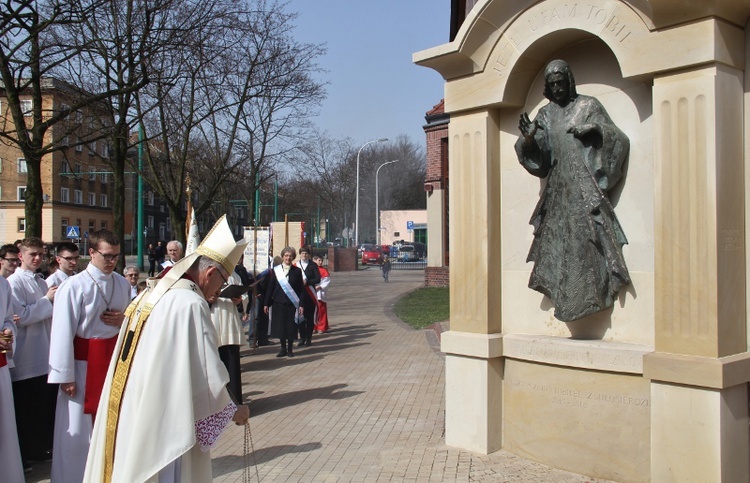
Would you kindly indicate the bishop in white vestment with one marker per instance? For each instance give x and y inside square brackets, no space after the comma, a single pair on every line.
[165,401]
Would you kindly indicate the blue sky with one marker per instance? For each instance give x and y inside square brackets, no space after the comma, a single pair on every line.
[374,88]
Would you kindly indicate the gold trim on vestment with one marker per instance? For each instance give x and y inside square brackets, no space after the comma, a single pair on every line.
[120,379]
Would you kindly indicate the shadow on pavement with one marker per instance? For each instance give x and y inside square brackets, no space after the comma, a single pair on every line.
[231,463]
[272,403]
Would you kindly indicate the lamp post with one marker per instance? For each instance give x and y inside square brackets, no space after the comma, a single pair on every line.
[356,209]
[377,208]
[140,220]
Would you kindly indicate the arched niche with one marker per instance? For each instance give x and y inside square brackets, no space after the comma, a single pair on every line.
[629,102]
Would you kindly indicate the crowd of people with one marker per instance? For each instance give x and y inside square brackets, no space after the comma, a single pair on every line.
[60,329]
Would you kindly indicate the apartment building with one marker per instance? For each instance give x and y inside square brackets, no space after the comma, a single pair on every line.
[76,180]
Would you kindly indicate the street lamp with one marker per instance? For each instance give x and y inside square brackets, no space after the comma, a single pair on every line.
[377,210]
[356,209]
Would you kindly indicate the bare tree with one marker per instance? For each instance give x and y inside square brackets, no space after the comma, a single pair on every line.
[117,42]
[235,98]
[331,165]
[30,57]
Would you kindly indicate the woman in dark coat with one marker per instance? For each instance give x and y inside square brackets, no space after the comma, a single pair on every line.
[283,311]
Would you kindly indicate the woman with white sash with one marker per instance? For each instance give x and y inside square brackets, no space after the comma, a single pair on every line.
[284,301]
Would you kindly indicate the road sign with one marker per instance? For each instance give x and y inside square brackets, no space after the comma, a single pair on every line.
[409,225]
[73,232]
[85,234]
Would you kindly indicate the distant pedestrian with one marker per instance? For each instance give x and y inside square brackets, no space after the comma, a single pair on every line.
[386,268]
[151,260]
[160,253]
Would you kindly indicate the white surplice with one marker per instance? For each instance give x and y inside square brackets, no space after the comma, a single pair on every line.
[56,278]
[10,453]
[34,311]
[226,318]
[176,379]
[79,304]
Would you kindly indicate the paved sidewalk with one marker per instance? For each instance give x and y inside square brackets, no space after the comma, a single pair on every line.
[364,403]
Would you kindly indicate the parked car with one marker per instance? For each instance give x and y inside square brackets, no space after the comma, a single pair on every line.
[406,253]
[371,255]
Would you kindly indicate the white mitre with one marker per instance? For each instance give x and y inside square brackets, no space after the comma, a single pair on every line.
[218,245]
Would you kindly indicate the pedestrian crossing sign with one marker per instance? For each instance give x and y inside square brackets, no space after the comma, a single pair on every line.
[73,232]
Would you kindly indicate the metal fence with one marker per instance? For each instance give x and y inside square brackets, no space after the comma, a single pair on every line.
[397,264]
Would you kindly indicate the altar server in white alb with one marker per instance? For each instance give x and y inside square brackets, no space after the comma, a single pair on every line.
[10,453]
[89,310]
[165,400]
[33,398]
[67,258]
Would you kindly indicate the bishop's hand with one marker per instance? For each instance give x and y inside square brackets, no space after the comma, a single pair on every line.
[241,415]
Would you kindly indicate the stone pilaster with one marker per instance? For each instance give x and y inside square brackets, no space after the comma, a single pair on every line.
[699,404]
[473,345]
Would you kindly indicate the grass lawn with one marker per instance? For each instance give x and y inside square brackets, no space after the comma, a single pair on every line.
[424,307]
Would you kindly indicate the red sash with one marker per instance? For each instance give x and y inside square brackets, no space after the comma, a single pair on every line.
[3,360]
[97,352]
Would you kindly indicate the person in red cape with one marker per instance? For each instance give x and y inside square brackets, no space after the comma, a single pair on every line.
[321,321]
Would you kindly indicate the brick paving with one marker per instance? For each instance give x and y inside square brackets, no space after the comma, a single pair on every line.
[364,403]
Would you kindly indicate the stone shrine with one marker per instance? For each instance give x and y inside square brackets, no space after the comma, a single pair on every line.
[655,387]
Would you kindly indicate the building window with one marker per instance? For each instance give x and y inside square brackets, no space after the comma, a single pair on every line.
[22,225]
[104,225]
[92,199]
[1,165]
[161,208]
[92,173]
[64,226]
[92,226]
[65,195]
[79,146]
[105,150]
[22,168]
[65,167]
[103,200]
[92,147]
[27,107]
[78,197]
[21,192]
[105,178]
[150,221]
[78,117]
[150,197]
[78,168]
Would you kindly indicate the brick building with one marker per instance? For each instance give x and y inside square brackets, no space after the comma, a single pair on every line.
[437,272]
[76,182]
